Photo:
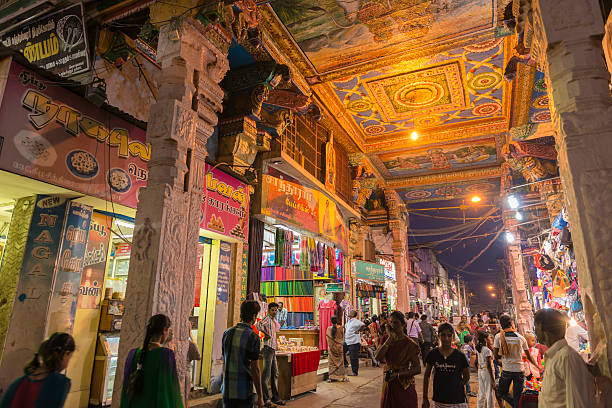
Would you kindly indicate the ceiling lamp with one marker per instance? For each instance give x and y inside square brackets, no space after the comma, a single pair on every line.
[414,135]
[476,199]
[513,202]
[518,216]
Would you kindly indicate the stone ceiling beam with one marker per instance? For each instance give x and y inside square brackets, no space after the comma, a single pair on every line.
[445,178]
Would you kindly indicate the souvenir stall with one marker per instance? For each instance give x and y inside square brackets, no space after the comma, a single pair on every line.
[370,293]
[304,242]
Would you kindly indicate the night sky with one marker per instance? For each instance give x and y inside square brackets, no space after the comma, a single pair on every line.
[455,253]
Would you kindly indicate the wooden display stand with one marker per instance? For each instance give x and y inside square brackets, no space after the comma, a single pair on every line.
[311,337]
[290,386]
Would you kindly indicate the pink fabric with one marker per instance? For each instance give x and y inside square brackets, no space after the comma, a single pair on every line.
[326,311]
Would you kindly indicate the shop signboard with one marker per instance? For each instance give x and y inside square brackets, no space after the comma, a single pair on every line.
[245,272]
[422,290]
[303,207]
[334,287]
[55,42]
[221,310]
[198,277]
[53,135]
[370,271]
[445,300]
[389,268]
[225,205]
[94,265]
[69,268]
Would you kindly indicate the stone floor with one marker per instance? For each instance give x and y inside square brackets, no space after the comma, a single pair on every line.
[362,391]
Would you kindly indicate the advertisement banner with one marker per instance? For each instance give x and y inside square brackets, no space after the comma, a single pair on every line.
[221,308]
[304,208]
[55,42]
[62,307]
[53,135]
[225,205]
[389,268]
[94,264]
[370,271]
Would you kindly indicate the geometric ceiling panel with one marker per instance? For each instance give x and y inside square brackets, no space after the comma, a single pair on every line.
[459,155]
[454,88]
[336,34]
[482,188]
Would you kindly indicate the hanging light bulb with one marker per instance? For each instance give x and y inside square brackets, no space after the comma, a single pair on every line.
[513,202]
[509,237]
[518,216]
[414,135]
[476,199]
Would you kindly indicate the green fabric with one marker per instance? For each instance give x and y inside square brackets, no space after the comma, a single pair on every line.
[161,385]
[462,335]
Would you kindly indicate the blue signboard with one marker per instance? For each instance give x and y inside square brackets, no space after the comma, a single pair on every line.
[69,268]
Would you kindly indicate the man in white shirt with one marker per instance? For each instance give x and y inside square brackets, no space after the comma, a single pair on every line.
[352,341]
[414,328]
[567,381]
[574,334]
[509,347]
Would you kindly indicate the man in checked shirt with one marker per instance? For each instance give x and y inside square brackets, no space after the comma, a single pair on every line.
[269,326]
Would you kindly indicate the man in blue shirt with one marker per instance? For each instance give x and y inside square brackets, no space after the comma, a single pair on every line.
[352,341]
[282,314]
[240,347]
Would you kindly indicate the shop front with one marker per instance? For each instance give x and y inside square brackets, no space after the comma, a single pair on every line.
[370,293]
[71,173]
[390,284]
[303,255]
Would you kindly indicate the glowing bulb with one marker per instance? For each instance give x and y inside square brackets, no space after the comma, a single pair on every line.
[493,295]
[475,199]
[414,135]
[513,202]
[518,216]
[490,287]
[509,237]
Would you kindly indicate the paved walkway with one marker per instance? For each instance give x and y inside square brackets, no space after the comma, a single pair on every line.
[362,391]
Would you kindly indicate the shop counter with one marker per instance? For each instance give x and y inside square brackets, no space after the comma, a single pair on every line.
[297,373]
[310,336]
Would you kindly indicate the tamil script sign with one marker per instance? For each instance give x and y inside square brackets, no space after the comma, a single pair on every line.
[389,268]
[370,271]
[334,287]
[53,135]
[55,42]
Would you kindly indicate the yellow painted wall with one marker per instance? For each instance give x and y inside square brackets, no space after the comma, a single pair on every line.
[81,364]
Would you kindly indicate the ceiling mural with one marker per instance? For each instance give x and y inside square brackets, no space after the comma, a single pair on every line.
[489,187]
[335,34]
[442,158]
[538,109]
[459,87]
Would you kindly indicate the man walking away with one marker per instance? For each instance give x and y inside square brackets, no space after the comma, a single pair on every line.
[567,381]
[269,326]
[429,333]
[414,330]
[352,341]
[240,346]
[509,347]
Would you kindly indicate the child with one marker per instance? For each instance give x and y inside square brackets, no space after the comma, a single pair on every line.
[486,379]
[452,372]
[43,384]
[468,349]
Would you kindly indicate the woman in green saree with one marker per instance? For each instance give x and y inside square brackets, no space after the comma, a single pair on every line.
[150,379]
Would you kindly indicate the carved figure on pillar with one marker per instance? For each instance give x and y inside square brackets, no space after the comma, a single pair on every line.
[163,261]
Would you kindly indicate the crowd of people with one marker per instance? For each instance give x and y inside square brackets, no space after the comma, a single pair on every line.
[503,359]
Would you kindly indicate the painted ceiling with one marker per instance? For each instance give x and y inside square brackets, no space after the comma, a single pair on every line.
[386,68]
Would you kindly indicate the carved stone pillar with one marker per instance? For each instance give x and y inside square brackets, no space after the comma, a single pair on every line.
[524,311]
[402,266]
[164,250]
[568,40]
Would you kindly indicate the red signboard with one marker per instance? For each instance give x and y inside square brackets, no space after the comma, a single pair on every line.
[54,135]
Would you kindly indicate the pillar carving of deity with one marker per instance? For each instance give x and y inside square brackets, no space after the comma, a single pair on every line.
[164,250]
[567,38]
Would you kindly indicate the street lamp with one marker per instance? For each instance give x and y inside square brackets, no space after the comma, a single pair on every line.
[493,295]
[490,287]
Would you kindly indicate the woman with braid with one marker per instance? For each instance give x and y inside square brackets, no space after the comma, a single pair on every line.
[150,378]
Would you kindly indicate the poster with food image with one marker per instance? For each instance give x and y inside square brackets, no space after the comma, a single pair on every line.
[94,262]
[56,136]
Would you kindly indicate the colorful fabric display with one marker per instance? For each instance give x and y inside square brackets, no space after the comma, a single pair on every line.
[298,319]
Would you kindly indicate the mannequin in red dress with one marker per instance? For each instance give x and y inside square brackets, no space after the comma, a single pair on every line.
[327,309]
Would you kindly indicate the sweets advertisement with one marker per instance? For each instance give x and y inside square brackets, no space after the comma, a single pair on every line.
[54,135]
